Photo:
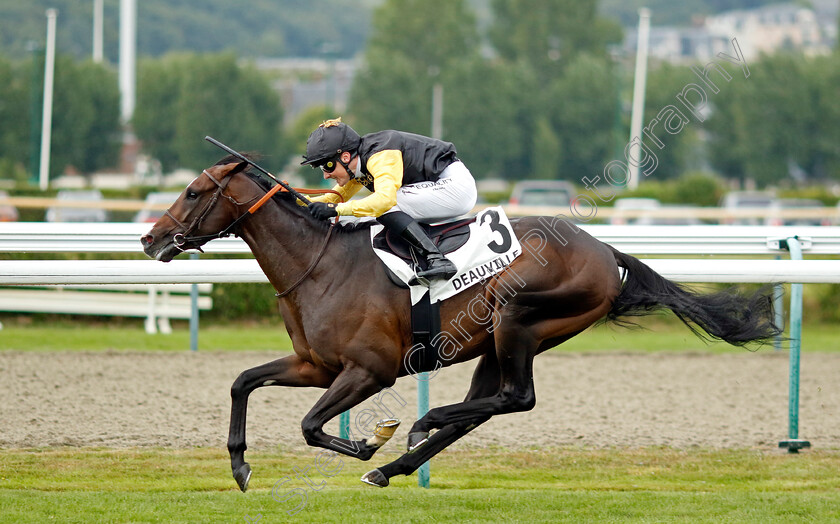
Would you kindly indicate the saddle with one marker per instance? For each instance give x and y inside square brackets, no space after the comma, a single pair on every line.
[447,237]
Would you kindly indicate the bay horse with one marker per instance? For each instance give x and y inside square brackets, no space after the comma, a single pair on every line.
[350,326]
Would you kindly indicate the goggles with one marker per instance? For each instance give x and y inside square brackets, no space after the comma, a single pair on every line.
[328,166]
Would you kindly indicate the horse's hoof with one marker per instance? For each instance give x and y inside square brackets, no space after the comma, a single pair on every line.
[384,431]
[417,439]
[375,478]
[242,476]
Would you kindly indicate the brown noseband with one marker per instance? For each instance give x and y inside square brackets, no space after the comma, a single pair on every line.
[180,239]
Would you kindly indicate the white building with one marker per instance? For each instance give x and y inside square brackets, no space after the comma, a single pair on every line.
[762,30]
[770,28]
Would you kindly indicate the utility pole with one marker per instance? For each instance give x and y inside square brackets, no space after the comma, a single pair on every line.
[46,122]
[128,57]
[635,153]
[97,31]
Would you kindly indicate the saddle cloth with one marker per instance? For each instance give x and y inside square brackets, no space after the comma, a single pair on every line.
[479,249]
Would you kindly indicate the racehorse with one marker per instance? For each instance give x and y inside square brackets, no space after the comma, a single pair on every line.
[351,329]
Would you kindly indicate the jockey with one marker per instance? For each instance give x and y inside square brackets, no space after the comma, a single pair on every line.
[411,177]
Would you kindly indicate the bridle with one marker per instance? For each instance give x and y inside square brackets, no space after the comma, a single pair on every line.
[181,239]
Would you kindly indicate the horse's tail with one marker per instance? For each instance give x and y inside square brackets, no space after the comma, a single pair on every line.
[726,315]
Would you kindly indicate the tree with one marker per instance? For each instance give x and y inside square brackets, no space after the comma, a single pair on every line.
[763,125]
[86,117]
[252,29]
[569,129]
[85,125]
[547,151]
[823,76]
[297,135]
[414,43]
[183,98]
[158,89]
[482,104]
[581,108]
[14,113]
[549,34]
[675,144]
[429,33]
[390,92]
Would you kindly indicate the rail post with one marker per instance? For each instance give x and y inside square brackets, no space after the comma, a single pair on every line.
[794,443]
[424,473]
[344,425]
[194,311]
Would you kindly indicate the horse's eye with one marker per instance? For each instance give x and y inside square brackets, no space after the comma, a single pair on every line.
[191,195]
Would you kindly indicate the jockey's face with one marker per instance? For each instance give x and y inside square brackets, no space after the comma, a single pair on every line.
[339,174]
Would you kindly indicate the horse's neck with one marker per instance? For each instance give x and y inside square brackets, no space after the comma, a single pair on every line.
[285,244]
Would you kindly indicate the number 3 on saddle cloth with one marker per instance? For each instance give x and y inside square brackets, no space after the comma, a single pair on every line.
[479,247]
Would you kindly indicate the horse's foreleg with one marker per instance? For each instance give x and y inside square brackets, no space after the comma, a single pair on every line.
[351,387]
[288,371]
[485,382]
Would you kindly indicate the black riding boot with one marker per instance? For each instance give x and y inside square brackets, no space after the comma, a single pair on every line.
[437,265]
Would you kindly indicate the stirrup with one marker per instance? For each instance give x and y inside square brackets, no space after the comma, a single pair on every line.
[446,269]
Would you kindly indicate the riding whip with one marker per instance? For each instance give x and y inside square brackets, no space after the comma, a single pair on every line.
[242,157]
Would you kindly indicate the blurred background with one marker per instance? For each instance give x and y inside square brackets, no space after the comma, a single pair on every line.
[532,89]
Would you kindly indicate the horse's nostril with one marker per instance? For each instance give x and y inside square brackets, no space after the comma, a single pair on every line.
[147,240]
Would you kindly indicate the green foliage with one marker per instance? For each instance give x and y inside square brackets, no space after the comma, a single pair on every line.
[405,57]
[694,188]
[390,92]
[699,189]
[437,34]
[15,117]
[85,126]
[673,152]
[547,150]
[821,303]
[238,302]
[818,192]
[182,98]
[86,117]
[780,121]
[297,135]
[581,109]
[483,102]
[258,28]
[513,117]
[549,34]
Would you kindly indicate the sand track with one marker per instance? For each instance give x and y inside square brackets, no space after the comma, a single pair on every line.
[182,400]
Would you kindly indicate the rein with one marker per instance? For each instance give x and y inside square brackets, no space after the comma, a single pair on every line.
[180,239]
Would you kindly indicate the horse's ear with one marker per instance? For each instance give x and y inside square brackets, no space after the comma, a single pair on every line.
[241,166]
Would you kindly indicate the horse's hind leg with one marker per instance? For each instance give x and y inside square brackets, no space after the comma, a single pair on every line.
[485,382]
[515,350]
[288,371]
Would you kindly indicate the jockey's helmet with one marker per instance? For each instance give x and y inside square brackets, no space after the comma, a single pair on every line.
[329,140]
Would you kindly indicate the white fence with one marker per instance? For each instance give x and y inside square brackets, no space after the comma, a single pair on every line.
[703,241]
[156,303]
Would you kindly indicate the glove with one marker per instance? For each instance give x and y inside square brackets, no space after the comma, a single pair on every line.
[322,210]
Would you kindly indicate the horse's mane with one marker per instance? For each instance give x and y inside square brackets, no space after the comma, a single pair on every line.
[287,201]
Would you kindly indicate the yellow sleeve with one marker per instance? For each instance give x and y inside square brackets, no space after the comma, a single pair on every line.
[386,168]
[346,192]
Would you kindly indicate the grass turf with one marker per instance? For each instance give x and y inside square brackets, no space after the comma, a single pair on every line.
[489,485]
[656,335]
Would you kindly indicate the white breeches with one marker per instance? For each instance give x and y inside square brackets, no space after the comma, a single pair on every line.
[452,195]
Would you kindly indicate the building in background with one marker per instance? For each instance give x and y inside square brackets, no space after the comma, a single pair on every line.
[764,29]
